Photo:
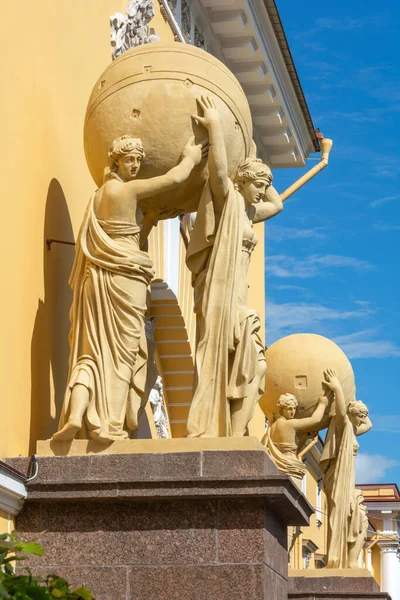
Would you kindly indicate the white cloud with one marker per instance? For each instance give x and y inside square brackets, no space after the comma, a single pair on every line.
[280,265]
[384,200]
[345,24]
[276,233]
[386,227]
[371,468]
[362,345]
[292,288]
[299,317]
[388,423]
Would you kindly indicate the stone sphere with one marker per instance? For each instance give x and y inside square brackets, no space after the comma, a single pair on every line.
[150,92]
[295,365]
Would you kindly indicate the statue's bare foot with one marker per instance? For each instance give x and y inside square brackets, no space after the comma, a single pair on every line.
[68,432]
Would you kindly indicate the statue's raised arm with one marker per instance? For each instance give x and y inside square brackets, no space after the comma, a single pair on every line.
[217,159]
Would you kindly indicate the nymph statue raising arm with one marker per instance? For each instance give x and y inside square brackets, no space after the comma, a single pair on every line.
[217,159]
[126,155]
[105,392]
[253,179]
[282,437]
[346,530]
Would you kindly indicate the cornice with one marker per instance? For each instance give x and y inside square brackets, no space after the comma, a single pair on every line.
[249,39]
[12,493]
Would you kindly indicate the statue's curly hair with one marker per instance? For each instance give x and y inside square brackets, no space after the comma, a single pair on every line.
[286,401]
[251,170]
[124,145]
[358,409]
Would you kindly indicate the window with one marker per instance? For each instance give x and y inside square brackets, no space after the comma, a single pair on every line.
[185,18]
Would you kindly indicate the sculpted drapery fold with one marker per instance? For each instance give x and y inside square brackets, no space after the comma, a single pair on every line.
[212,256]
[228,345]
[285,457]
[347,521]
[107,325]
[339,480]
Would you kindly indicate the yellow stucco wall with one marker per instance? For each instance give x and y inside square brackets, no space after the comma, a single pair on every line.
[313,532]
[376,563]
[47,74]
[6,522]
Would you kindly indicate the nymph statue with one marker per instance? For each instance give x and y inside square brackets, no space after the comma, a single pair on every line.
[229,362]
[110,279]
[282,436]
[347,523]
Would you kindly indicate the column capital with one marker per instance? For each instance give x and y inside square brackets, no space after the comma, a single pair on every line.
[389,545]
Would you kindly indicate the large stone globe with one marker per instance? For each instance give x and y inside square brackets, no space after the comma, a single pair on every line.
[295,365]
[150,92]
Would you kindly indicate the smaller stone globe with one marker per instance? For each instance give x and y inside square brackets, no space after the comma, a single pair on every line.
[150,92]
[295,365]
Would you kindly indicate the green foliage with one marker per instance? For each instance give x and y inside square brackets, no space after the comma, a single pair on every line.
[27,586]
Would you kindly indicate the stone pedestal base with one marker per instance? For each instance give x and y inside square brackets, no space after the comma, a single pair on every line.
[201,525]
[334,584]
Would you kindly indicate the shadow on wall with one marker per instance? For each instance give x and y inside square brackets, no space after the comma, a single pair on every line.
[49,347]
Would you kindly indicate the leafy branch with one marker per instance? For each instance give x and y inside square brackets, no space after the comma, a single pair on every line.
[27,586]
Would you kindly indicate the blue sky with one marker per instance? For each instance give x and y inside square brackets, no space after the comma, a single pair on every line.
[332,255]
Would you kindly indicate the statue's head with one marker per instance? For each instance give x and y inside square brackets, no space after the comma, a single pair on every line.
[252,180]
[125,156]
[357,412]
[287,405]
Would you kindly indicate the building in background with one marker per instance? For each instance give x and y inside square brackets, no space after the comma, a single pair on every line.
[383,546]
[381,555]
[307,545]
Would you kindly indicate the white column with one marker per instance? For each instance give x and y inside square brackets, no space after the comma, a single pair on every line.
[369,560]
[390,568]
[171,253]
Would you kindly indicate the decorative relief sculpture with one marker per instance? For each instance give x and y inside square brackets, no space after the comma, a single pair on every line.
[230,362]
[156,399]
[282,436]
[131,29]
[110,278]
[347,523]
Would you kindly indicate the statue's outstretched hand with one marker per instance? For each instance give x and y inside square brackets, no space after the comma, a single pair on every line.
[196,152]
[210,112]
[331,380]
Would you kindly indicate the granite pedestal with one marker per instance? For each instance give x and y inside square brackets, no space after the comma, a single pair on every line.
[334,584]
[171,521]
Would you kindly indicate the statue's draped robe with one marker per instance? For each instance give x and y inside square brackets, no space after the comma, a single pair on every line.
[107,337]
[345,521]
[284,456]
[359,519]
[227,330]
